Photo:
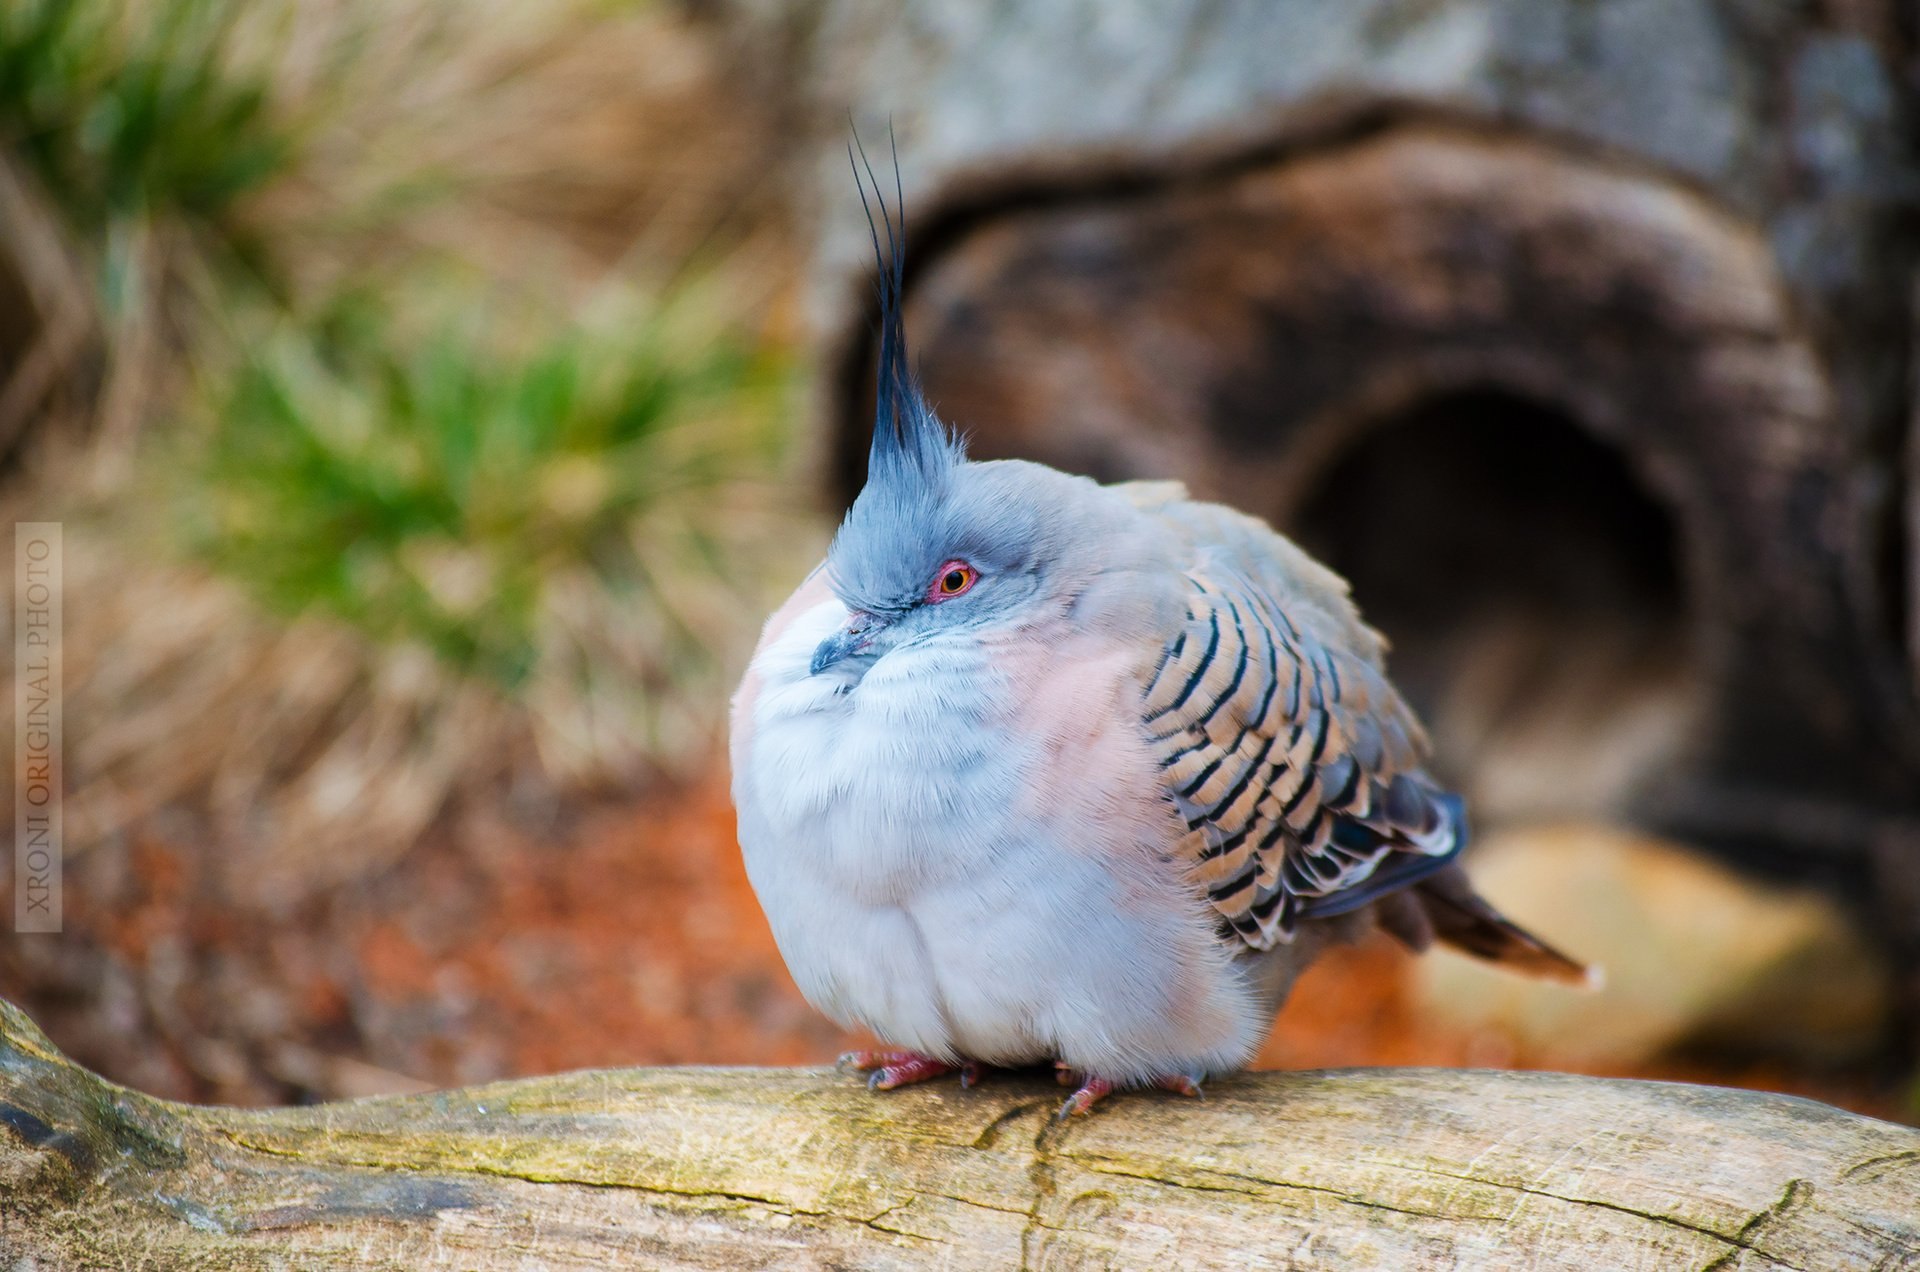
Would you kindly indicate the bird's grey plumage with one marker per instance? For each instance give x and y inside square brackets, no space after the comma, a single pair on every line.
[1038,769]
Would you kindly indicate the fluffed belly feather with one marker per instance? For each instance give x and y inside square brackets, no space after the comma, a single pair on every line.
[966,880]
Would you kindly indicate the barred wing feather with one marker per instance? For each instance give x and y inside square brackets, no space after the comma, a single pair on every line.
[1294,765]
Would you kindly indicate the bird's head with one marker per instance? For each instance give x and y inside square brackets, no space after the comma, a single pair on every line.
[935,544]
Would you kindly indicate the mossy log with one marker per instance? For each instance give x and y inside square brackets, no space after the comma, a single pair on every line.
[741,1168]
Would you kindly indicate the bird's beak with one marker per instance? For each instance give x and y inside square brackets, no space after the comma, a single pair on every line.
[851,639]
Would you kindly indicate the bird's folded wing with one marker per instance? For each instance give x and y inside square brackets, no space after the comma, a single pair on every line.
[1293,763]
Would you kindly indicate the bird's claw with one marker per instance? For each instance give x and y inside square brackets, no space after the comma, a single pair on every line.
[1094,1089]
[1081,1102]
[1181,1084]
[888,1069]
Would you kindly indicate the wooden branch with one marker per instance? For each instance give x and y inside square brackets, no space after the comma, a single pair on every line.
[735,1168]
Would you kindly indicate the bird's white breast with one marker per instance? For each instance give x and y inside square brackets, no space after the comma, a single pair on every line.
[963,851]
[882,783]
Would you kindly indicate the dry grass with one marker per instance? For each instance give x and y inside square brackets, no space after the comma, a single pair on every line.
[304,752]
[556,142]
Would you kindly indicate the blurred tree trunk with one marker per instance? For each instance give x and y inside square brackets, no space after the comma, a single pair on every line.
[718,1168]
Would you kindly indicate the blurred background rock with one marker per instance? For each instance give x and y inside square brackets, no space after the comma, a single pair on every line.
[437,395]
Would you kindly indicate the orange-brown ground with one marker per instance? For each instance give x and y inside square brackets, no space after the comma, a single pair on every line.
[632,938]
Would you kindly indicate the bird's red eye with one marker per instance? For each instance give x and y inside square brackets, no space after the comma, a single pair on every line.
[954,578]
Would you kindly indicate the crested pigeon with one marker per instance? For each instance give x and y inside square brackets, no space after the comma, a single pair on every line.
[1032,769]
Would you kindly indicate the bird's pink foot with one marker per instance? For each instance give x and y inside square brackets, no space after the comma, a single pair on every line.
[890,1068]
[1081,1102]
[1094,1089]
[1181,1084]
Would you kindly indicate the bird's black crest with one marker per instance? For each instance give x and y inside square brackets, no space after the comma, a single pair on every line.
[910,445]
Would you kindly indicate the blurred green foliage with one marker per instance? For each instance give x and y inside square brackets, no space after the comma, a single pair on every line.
[126,109]
[422,487]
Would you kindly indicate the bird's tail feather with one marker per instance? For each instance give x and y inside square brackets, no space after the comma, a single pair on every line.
[1444,907]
